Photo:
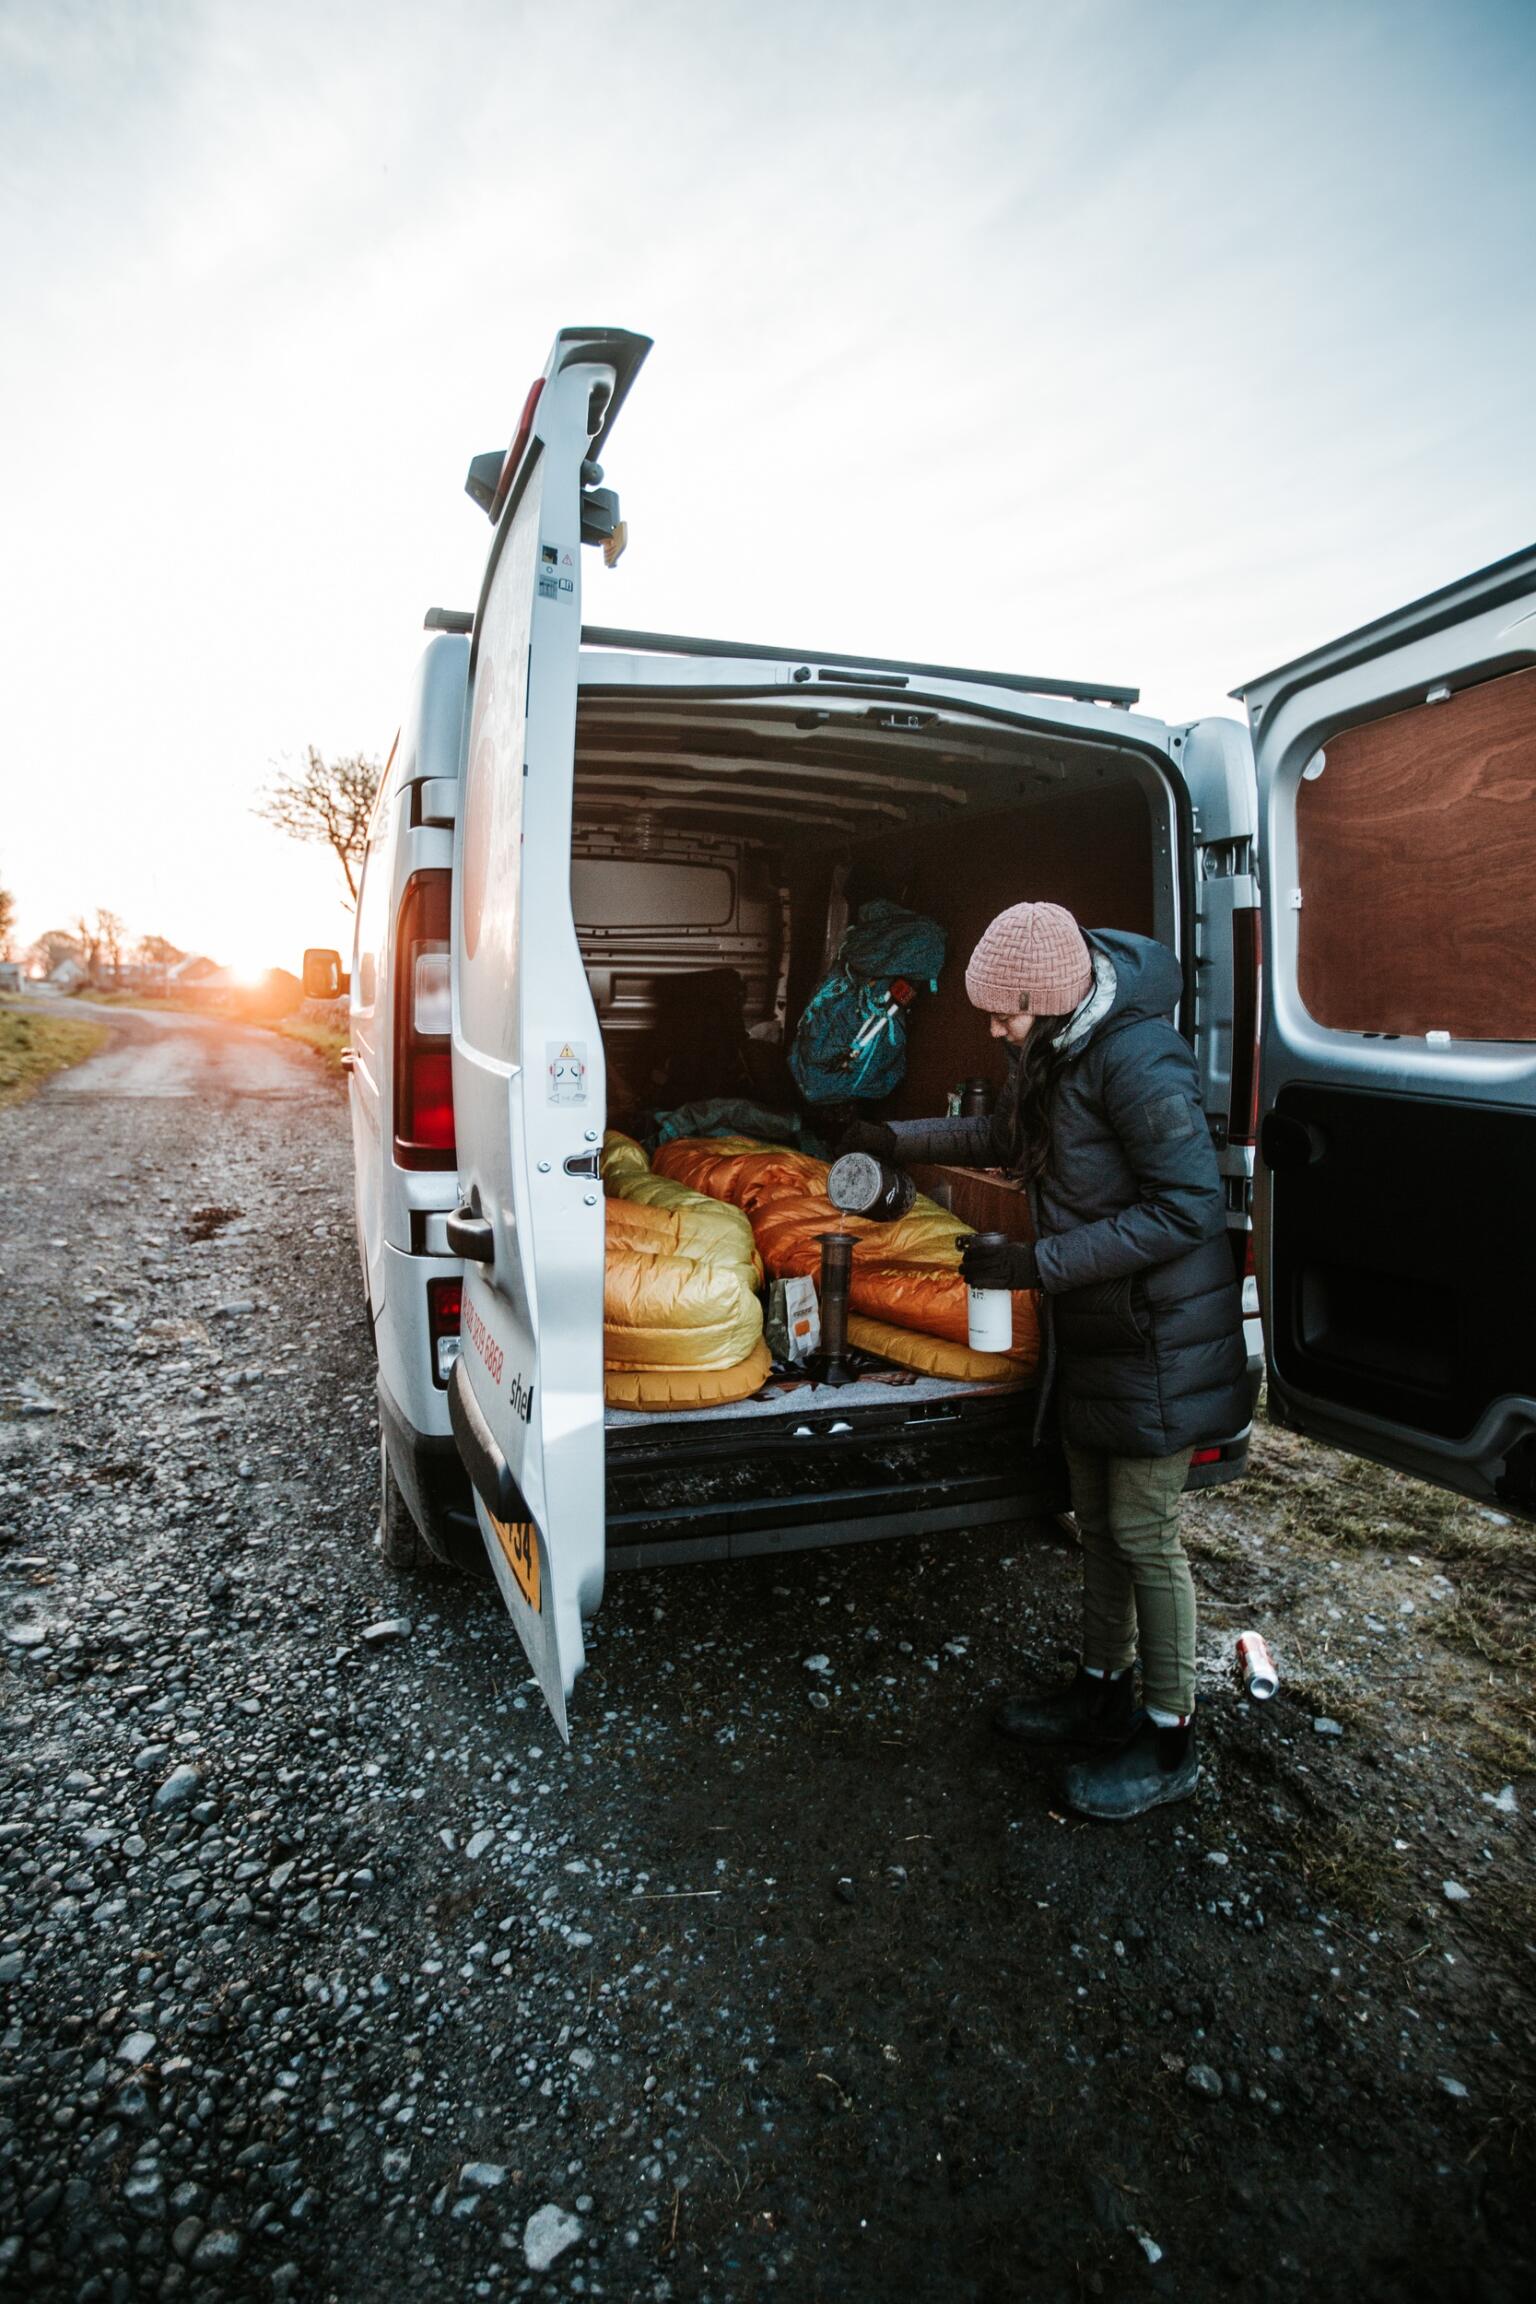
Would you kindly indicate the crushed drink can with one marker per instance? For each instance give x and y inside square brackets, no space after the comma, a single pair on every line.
[1256,1667]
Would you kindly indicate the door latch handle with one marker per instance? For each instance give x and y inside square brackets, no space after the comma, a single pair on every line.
[1288,1143]
[471,1235]
[583,1164]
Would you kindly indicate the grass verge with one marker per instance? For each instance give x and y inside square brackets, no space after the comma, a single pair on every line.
[33,1046]
[327,1040]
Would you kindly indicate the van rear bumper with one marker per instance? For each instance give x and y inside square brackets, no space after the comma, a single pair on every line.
[712,1493]
[1224,1460]
[720,1494]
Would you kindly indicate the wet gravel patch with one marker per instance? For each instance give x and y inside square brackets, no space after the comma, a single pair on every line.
[327,1971]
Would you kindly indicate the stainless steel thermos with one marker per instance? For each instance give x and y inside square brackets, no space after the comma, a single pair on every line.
[861,1185]
[988,1311]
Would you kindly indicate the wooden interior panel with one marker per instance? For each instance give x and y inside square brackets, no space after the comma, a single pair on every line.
[1417,851]
[1091,852]
[987,1202]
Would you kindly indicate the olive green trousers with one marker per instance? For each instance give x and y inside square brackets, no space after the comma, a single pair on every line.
[1137,1588]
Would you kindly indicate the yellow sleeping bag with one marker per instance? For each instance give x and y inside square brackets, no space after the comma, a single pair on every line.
[682,1325]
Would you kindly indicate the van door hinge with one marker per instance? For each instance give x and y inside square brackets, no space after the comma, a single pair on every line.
[1295,899]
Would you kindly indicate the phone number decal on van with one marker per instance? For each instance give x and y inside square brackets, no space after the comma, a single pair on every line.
[519,1541]
[483,1341]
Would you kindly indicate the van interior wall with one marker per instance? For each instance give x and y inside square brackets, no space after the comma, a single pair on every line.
[1090,851]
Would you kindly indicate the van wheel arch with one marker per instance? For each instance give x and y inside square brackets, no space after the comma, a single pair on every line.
[401,1542]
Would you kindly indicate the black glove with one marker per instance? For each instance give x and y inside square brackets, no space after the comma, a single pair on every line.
[870,1136]
[999,1264]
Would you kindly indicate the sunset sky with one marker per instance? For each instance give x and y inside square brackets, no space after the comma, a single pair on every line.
[1145,340]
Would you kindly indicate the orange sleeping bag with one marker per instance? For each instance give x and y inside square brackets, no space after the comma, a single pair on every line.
[906,1275]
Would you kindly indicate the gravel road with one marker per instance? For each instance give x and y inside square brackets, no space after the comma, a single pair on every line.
[172,1054]
[327,1972]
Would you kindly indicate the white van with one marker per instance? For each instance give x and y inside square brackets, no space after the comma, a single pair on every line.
[579,827]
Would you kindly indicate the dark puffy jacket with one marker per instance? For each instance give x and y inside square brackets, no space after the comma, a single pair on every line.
[1145,1312]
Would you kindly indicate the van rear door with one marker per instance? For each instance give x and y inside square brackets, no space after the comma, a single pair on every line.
[1397,1234]
[526,1398]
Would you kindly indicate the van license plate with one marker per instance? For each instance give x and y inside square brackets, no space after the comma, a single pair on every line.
[520,1543]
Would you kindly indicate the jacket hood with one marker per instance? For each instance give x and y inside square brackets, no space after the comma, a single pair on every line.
[1148,978]
[1132,977]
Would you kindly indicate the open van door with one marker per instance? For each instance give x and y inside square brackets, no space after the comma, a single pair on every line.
[526,1397]
[1396,1188]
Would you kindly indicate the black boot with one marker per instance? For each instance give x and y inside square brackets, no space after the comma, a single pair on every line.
[1157,1765]
[1090,1710]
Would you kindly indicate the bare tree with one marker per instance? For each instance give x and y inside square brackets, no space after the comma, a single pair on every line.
[7,922]
[329,801]
[113,934]
[157,956]
[87,940]
[53,946]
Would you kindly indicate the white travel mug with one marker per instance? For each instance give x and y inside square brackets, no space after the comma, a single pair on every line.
[989,1311]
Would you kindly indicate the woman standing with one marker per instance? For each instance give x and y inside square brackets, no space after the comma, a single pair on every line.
[1143,1343]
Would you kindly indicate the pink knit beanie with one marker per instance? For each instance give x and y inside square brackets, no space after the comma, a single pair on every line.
[1031,961]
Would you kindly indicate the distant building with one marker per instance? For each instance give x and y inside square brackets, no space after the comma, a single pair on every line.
[10,975]
[69,975]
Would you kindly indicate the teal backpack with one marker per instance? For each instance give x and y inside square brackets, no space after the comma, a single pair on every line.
[852,1039]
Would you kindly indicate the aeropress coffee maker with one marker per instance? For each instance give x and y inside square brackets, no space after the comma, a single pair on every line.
[830,1364]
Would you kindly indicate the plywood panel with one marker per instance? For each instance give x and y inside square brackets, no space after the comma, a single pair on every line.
[987,1202]
[1417,849]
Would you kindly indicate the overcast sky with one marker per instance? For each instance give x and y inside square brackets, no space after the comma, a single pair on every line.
[1151,341]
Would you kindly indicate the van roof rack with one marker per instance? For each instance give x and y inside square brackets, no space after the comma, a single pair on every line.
[679,644]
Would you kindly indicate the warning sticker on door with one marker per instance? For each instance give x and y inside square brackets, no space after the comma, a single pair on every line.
[567,1071]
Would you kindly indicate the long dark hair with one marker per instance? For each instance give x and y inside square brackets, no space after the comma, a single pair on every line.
[1034,1081]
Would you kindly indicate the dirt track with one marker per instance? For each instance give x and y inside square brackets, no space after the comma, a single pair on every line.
[788,1976]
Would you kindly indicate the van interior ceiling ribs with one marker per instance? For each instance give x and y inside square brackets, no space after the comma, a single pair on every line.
[737,832]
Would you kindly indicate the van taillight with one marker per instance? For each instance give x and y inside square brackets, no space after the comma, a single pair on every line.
[514,455]
[1243,1110]
[445,1306]
[423,1023]
[1205,1456]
